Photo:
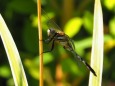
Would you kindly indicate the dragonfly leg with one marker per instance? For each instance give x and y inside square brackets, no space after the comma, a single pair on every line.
[52,47]
[47,41]
[42,40]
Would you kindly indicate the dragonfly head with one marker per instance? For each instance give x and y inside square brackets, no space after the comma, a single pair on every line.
[51,32]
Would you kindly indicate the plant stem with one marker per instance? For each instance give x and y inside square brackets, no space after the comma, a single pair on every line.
[40,42]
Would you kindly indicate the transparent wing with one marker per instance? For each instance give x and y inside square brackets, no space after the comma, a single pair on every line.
[53,25]
[71,42]
[50,22]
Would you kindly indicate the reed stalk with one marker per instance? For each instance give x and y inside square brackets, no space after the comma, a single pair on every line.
[40,42]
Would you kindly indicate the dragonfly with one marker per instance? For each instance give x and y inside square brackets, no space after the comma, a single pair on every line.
[56,34]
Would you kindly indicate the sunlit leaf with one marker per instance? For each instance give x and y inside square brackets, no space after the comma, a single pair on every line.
[4,71]
[33,68]
[107,37]
[47,58]
[44,19]
[109,42]
[83,44]
[112,26]
[110,4]
[73,26]
[33,65]
[10,82]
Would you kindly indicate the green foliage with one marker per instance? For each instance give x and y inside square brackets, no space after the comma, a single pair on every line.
[22,6]
[73,26]
[21,18]
[110,4]
[30,38]
[73,68]
[4,71]
[88,21]
[112,26]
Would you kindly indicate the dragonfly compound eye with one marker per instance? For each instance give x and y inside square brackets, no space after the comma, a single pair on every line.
[51,32]
[48,32]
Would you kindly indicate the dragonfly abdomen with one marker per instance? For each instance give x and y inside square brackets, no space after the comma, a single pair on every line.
[77,57]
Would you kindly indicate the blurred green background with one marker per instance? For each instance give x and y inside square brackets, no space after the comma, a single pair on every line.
[75,17]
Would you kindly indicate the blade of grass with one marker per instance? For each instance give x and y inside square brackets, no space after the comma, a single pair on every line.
[13,55]
[97,47]
[40,42]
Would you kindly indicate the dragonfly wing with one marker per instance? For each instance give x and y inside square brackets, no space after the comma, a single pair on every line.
[77,57]
[71,42]
[50,22]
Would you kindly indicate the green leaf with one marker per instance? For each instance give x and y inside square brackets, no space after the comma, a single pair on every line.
[110,4]
[112,26]
[33,67]
[97,46]
[45,18]
[73,26]
[47,58]
[33,64]
[83,44]
[13,55]
[88,22]
[4,71]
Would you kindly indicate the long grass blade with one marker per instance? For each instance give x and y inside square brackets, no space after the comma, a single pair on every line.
[97,47]
[13,55]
